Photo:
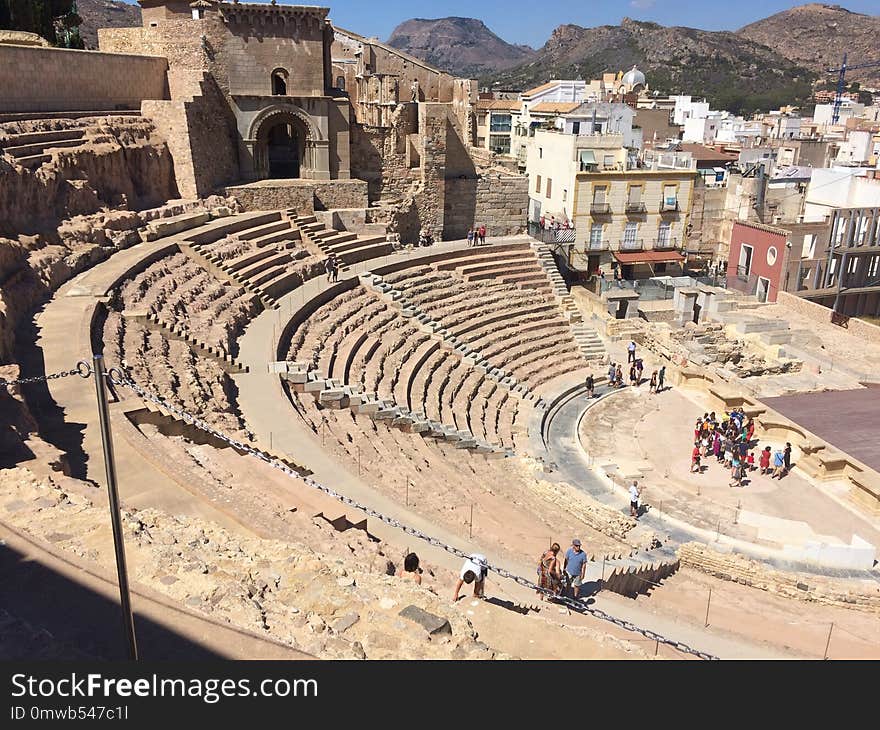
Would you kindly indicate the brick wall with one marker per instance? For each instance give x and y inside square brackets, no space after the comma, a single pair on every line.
[34,79]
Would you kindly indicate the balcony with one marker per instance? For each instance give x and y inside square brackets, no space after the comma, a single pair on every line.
[665,244]
[600,209]
[597,246]
[633,244]
[634,207]
[500,127]
[669,206]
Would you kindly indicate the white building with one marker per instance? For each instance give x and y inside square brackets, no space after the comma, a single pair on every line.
[686,108]
[841,187]
[848,110]
[858,148]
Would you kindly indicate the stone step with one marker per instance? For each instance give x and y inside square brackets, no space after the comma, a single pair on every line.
[26,150]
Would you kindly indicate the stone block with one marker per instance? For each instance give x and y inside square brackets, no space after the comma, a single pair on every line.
[434,625]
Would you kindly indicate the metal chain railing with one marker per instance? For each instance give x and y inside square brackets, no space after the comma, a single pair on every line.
[83,369]
[117,377]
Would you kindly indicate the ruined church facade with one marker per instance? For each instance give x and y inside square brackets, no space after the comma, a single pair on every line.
[257,93]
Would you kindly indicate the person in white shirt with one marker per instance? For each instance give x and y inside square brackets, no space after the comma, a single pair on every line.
[474,570]
[634,495]
[631,352]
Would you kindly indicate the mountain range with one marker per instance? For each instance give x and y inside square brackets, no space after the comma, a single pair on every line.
[765,64]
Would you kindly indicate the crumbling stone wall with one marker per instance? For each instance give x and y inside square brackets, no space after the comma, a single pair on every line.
[803,587]
[497,200]
[123,162]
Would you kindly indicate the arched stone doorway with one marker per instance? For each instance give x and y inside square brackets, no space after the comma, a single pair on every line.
[285,142]
[285,148]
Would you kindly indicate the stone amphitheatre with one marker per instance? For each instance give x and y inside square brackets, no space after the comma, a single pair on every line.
[282,440]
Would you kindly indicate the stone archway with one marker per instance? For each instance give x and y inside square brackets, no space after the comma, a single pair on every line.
[286,143]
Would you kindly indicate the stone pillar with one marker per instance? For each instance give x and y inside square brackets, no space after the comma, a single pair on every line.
[684,301]
[433,129]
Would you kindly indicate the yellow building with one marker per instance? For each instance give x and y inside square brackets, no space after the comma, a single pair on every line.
[635,219]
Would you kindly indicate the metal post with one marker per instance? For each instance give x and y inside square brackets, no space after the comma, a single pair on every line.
[828,643]
[359,459]
[656,646]
[471,524]
[708,601]
[603,568]
[115,518]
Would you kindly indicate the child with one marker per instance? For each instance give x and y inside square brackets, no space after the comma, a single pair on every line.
[765,460]
[653,388]
[751,461]
[716,448]
[695,459]
[736,472]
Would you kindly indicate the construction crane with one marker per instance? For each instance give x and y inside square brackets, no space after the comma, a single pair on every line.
[841,83]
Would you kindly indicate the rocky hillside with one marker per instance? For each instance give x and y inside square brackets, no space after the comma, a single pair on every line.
[816,36]
[463,46]
[105,14]
[732,71]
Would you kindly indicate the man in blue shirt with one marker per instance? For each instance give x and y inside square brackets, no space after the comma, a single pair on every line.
[575,565]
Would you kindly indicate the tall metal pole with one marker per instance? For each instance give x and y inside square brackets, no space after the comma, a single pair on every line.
[115,518]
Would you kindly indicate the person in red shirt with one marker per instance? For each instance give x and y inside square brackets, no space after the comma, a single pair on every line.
[750,429]
[695,458]
[750,461]
[764,461]
[482,234]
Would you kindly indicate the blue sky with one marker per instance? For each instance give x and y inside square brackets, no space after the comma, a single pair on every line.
[532,21]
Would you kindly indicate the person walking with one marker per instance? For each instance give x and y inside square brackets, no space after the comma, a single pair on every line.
[632,375]
[334,271]
[575,566]
[482,235]
[618,375]
[653,388]
[634,497]
[736,471]
[612,371]
[631,351]
[640,368]
[474,570]
[549,577]
[786,457]
[470,237]
[661,376]
[778,464]
[328,267]
[590,385]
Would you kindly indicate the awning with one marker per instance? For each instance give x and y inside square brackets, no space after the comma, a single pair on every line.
[648,257]
[587,157]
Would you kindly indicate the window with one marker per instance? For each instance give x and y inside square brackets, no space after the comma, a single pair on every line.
[576,128]
[596,235]
[549,187]
[198,13]
[599,194]
[340,83]
[499,143]
[663,240]
[629,236]
[809,246]
[670,198]
[608,161]
[540,153]
[744,268]
[279,82]
[538,184]
[500,123]
[635,195]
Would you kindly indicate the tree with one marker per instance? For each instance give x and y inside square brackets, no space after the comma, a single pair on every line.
[55,20]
